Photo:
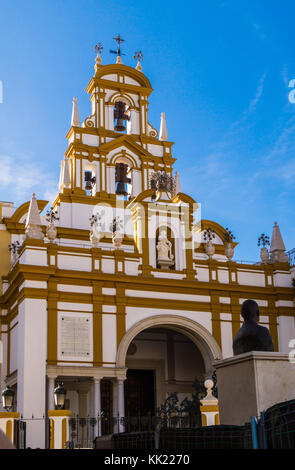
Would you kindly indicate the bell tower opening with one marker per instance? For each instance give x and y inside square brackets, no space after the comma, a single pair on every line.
[123,180]
[121,116]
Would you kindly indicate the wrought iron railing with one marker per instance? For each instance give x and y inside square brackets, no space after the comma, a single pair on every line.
[291,256]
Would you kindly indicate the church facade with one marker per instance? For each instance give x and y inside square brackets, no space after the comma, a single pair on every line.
[118,292]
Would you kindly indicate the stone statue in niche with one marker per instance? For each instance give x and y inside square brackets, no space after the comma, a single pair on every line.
[164,249]
[251,336]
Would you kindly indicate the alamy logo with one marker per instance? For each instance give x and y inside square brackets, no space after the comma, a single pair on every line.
[292,92]
[292,352]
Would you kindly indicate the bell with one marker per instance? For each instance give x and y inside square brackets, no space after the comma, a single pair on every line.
[121,188]
[89,180]
[120,125]
[88,186]
[119,114]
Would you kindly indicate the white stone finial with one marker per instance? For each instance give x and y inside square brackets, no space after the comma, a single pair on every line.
[119,60]
[163,128]
[75,114]
[277,247]
[177,183]
[66,174]
[61,176]
[209,398]
[138,56]
[33,222]
[98,61]
[139,66]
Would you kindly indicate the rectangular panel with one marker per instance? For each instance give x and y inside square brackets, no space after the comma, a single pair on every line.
[74,337]
[109,328]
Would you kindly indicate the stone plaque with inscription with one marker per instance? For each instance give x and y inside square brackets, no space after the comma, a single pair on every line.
[75,337]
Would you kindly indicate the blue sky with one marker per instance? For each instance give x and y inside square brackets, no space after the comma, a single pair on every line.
[220,71]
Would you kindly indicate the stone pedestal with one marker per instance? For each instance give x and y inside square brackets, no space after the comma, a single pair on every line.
[251,383]
[59,428]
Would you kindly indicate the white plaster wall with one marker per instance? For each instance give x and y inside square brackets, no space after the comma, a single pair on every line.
[286,333]
[167,275]
[34,257]
[34,284]
[13,349]
[282,279]
[202,274]
[74,306]
[65,215]
[167,295]
[136,314]
[226,339]
[31,365]
[73,288]
[109,328]
[91,140]
[81,214]
[76,263]
[109,291]
[223,276]
[108,266]
[131,268]
[284,303]
[156,150]
[251,278]
[3,358]
[109,308]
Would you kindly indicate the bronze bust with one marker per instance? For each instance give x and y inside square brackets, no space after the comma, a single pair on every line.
[251,336]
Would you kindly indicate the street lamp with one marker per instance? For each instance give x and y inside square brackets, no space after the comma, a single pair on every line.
[59,396]
[7,398]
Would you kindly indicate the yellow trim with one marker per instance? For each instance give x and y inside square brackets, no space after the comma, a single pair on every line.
[9,429]
[64,433]
[209,408]
[117,69]
[52,434]
[9,414]
[59,413]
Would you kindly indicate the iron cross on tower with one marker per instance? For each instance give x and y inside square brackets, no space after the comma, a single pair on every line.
[118,40]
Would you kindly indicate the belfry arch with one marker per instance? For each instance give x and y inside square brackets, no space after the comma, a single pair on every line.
[199,335]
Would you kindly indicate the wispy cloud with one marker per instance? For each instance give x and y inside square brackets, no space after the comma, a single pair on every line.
[259,91]
[20,177]
[258,29]
[251,108]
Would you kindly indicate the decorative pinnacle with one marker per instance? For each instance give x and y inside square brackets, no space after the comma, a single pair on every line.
[138,56]
[263,240]
[98,48]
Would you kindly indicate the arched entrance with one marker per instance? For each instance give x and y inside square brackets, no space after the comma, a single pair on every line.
[163,355]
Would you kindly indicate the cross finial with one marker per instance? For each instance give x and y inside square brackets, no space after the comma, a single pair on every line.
[118,40]
[138,56]
[98,47]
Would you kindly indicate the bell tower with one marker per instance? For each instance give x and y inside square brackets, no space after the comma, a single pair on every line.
[115,150]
